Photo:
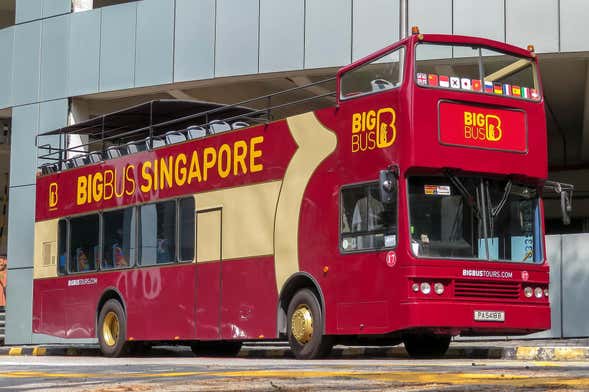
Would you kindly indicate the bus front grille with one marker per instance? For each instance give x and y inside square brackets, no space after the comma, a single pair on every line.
[498,290]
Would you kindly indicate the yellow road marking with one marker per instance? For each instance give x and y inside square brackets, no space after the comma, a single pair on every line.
[496,377]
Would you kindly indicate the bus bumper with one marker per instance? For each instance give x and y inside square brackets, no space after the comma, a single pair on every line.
[454,318]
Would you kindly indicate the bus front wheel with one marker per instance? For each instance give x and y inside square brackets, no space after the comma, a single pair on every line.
[112,329]
[426,345]
[305,327]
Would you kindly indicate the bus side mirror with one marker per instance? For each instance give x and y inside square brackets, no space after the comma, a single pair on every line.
[387,185]
[566,198]
[566,205]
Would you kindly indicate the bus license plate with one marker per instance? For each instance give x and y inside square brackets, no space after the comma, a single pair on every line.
[485,315]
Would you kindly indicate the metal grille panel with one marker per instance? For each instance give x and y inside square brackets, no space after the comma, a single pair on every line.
[490,290]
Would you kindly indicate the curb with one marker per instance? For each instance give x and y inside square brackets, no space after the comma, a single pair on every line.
[529,353]
[551,353]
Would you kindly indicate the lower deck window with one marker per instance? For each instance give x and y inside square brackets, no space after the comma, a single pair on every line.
[157,237]
[119,243]
[83,248]
[186,212]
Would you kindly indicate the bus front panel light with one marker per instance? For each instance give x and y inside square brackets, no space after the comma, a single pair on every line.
[415,287]
[538,292]
[439,288]
[528,292]
[426,288]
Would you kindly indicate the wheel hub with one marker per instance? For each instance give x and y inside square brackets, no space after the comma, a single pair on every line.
[302,324]
[110,329]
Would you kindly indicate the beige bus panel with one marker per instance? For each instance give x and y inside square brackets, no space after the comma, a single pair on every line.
[208,236]
[45,249]
[315,142]
[248,219]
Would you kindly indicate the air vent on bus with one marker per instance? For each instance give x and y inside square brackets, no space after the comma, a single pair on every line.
[474,289]
[48,253]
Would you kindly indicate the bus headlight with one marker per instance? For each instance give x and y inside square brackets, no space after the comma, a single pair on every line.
[528,292]
[439,288]
[415,287]
[546,292]
[426,288]
[538,292]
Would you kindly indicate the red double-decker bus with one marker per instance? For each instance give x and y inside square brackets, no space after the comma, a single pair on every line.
[407,210]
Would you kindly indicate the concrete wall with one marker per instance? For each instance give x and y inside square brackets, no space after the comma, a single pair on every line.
[51,55]
[154,42]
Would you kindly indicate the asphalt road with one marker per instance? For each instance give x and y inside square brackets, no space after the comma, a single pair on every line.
[183,373]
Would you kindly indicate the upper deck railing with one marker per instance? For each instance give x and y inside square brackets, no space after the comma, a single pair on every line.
[159,123]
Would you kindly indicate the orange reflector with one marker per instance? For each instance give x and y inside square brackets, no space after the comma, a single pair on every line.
[325,269]
[530,48]
[261,337]
[131,338]
[414,29]
[176,337]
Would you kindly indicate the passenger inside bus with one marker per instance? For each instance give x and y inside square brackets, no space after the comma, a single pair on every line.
[367,223]
[118,238]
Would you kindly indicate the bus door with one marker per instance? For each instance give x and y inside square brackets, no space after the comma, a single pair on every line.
[208,275]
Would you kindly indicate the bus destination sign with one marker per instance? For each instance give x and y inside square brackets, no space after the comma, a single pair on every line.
[481,127]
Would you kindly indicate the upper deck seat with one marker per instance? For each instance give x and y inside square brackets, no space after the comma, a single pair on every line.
[381,84]
[239,124]
[80,160]
[69,164]
[219,126]
[95,156]
[47,168]
[157,142]
[136,146]
[194,132]
[112,152]
[174,137]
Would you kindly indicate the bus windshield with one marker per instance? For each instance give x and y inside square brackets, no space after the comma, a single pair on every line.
[476,69]
[474,218]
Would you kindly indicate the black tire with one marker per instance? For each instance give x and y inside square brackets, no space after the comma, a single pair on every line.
[112,339]
[426,345]
[216,349]
[312,343]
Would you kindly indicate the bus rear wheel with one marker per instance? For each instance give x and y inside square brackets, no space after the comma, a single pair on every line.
[305,327]
[216,349]
[112,329]
[426,345]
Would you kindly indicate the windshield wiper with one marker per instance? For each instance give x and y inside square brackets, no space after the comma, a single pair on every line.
[497,209]
[470,200]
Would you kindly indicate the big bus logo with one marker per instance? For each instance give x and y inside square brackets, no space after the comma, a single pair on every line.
[479,126]
[373,129]
[53,195]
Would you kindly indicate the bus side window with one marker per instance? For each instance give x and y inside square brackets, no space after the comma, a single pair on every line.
[366,222]
[186,230]
[380,74]
[157,236]
[83,247]
[119,247]
[62,250]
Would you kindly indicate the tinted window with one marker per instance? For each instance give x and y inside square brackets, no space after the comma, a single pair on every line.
[187,229]
[62,246]
[119,246]
[83,249]
[157,237]
[366,222]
